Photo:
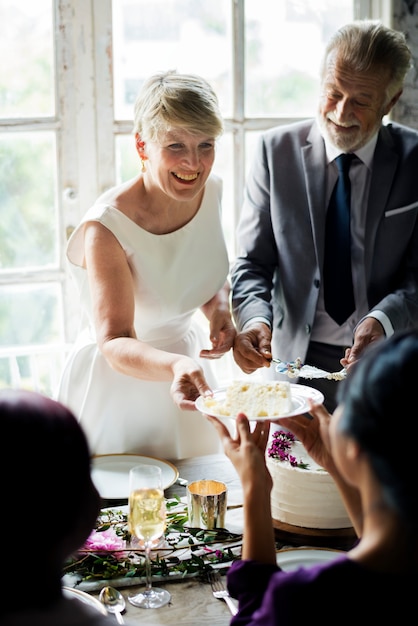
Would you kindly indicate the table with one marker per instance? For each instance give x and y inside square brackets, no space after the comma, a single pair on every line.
[192,602]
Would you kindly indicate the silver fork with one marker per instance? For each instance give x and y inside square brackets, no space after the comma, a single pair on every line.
[219,591]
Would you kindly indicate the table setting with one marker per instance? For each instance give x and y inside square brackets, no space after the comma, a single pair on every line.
[193,534]
[183,557]
[169,530]
[111,555]
[188,561]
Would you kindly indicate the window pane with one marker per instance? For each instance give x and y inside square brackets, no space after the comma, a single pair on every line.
[32,349]
[30,315]
[28,228]
[285,40]
[190,36]
[26,41]
[128,164]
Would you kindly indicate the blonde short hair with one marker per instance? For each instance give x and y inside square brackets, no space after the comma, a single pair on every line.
[169,99]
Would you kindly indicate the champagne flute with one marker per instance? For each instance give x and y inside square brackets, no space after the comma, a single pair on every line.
[147,521]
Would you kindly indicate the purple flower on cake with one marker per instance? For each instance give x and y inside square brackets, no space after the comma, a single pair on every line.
[280,446]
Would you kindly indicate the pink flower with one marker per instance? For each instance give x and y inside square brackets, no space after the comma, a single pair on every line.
[105,541]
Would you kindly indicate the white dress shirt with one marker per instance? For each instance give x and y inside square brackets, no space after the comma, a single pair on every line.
[325,329]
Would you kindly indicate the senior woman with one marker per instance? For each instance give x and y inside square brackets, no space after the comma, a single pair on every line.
[146,257]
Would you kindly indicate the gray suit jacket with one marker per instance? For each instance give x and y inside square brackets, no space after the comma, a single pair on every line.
[278,271]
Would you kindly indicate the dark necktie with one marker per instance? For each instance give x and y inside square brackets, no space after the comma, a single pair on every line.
[338,281]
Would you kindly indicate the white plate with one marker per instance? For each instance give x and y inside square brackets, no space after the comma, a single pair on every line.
[69,592]
[293,558]
[301,394]
[110,473]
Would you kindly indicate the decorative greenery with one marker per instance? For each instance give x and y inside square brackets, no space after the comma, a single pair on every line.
[111,552]
[281,445]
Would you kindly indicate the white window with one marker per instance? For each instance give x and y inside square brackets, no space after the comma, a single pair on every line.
[73,70]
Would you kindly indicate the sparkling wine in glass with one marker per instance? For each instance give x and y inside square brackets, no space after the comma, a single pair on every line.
[147,521]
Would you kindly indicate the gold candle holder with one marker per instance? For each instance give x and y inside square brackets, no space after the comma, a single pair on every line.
[206,502]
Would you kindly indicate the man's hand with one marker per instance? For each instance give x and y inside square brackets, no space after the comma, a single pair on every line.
[368,331]
[252,348]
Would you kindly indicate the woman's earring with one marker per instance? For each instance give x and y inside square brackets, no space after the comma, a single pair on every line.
[140,147]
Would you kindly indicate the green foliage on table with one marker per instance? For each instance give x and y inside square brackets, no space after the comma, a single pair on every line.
[202,548]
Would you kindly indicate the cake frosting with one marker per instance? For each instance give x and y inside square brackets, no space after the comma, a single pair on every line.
[270,399]
[303,493]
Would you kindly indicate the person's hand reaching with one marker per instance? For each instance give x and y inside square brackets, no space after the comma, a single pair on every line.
[188,384]
[252,348]
[222,335]
[367,332]
[246,450]
[313,434]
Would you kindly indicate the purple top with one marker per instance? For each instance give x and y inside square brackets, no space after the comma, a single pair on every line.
[325,594]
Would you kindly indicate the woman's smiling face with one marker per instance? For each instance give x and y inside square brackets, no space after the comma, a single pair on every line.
[180,162]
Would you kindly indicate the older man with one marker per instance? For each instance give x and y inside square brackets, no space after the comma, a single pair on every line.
[283,294]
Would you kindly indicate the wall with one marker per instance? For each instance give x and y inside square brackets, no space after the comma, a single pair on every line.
[405,19]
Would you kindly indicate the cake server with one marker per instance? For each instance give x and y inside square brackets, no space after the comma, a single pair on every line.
[295,369]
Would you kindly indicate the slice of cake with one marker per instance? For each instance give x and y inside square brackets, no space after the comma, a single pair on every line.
[270,399]
[303,493]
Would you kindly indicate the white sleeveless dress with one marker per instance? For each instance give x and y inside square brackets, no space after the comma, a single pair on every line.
[174,274]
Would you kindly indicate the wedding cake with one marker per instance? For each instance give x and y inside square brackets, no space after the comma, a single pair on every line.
[303,493]
[270,399]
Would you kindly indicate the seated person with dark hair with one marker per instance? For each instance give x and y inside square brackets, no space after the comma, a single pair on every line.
[50,505]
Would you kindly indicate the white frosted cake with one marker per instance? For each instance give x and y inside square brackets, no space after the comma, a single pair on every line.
[255,399]
[303,493]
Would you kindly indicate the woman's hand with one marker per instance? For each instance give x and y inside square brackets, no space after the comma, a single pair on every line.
[222,330]
[188,384]
[222,335]
[247,450]
[314,434]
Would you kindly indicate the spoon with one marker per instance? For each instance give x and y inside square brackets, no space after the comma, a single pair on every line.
[113,601]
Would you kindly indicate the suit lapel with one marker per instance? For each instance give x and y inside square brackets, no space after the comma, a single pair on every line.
[313,158]
[385,162]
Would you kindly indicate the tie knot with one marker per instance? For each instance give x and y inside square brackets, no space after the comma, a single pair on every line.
[343,162]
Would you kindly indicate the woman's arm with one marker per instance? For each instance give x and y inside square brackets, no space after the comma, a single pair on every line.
[112,296]
[314,435]
[222,330]
[247,454]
